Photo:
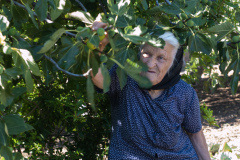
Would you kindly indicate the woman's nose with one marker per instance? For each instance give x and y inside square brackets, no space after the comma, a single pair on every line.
[151,62]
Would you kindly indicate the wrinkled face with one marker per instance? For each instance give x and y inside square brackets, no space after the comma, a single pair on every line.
[158,61]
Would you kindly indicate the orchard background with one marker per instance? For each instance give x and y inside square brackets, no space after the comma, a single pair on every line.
[48,47]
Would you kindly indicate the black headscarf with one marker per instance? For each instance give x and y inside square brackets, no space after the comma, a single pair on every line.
[173,76]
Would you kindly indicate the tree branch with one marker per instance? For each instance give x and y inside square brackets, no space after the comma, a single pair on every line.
[168,2]
[81,5]
[103,8]
[66,72]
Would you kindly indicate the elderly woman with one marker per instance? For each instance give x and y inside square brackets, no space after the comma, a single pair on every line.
[162,122]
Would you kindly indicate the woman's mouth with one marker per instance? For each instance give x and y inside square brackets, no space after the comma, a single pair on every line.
[151,71]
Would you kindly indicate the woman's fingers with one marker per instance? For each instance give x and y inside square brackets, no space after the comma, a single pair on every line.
[97,25]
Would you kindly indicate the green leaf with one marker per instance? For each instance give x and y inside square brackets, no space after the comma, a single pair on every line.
[199,43]
[82,16]
[133,38]
[226,148]
[122,76]
[214,148]
[90,91]
[29,62]
[199,21]
[56,35]
[7,13]
[41,9]
[191,6]
[94,40]
[3,135]
[140,21]
[53,39]
[28,80]
[13,72]
[145,5]
[2,108]
[237,16]
[47,46]
[18,156]
[119,8]
[6,97]
[133,70]
[235,78]
[176,7]
[124,54]
[31,13]
[106,78]
[68,52]
[222,30]
[18,91]
[19,14]
[55,13]
[6,153]
[85,32]
[15,124]
[94,64]
[119,42]
[4,23]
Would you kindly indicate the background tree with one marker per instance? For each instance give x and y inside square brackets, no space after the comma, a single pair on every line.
[47,47]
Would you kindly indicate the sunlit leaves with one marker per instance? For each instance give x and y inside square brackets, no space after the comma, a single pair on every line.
[120,7]
[85,17]
[4,23]
[55,13]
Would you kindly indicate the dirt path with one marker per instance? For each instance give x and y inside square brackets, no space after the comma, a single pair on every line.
[226,110]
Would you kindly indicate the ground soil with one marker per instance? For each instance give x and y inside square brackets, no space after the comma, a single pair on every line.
[226,110]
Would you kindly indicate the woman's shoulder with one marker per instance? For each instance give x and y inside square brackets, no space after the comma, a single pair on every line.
[183,88]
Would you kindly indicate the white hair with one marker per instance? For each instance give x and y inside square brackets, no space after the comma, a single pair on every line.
[171,39]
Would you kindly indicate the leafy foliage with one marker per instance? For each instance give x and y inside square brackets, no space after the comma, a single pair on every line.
[46,45]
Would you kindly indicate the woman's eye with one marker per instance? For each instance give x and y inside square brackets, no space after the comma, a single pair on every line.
[160,58]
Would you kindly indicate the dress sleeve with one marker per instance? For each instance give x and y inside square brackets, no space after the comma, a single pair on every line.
[192,117]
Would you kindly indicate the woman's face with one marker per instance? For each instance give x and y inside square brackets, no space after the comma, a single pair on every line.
[158,61]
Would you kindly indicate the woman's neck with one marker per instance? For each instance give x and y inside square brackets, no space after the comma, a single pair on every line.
[155,93]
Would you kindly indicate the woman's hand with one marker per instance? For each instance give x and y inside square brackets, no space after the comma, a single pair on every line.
[98,78]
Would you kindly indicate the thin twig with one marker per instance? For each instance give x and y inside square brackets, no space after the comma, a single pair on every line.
[66,72]
[103,8]
[70,34]
[81,5]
